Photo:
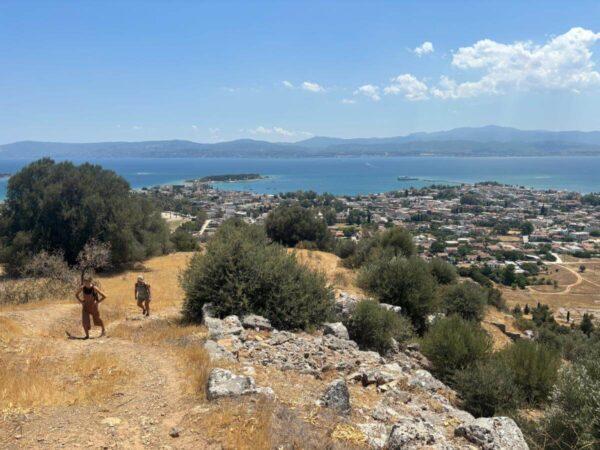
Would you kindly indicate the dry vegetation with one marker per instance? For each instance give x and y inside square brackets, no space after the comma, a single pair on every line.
[340,278]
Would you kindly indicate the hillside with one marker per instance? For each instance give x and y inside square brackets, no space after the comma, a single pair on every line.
[144,384]
[482,141]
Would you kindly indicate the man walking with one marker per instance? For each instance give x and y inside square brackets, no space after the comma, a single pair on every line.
[143,295]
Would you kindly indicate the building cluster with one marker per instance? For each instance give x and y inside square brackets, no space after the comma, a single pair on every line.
[485,222]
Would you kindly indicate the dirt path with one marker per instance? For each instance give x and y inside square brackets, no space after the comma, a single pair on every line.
[567,289]
[141,414]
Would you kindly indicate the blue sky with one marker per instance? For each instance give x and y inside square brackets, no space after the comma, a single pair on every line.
[211,71]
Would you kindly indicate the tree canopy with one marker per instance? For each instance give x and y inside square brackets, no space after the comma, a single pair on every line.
[61,207]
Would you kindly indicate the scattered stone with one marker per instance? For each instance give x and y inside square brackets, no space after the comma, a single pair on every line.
[337,396]
[423,379]
[223,383]
[493,433]
[111,421]
[376,433]
[413,433]
[256,322]
[219,329]
[384,413]
[393,308]
[337,329]
[217,351]
[174,432]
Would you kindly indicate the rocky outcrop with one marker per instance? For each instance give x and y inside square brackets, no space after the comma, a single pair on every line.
[412,409]
[223,383]
[493,433]
[253,321]
[219,329]
[337,397]
[414,433]
[337,329]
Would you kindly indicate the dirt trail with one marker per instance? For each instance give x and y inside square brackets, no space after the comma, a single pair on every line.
[140,415]
[567,289]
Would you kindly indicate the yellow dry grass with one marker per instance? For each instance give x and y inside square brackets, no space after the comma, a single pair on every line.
[39,379]
[171,334]
[340,278]
[8,330]
[162,273]
[244,425]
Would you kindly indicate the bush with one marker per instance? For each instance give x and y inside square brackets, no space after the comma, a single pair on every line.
[240,272]
[443,272]
[573,420]
[453,344]
[403,282]
[374,327]
[60,207]
[183,241]
[534,367]
[344,248]
[290,225]
[487,389]
[390,243]
[466,299]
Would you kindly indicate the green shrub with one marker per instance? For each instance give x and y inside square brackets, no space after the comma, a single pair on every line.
[573,421]
[453,343]
[443,272]
[241,272]
[344,248]
[373,327]
[392,242]
[466,299]
[403,282]
[183,241]
[534,367]
[487,389]
[290,225]
[61,207]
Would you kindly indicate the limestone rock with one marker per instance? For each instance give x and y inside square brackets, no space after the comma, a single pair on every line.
[413,433]
[219,329]
[217,351]
[337,329]
[254,321]
[223,383]
[337,396]
[493,433]
[425,380]
[376,433]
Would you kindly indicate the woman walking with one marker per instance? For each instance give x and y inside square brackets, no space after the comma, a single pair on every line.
[90,297]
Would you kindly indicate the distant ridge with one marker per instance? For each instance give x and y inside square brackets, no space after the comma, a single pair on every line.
[482,141]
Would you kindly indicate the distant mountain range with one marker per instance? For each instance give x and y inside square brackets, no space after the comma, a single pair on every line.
[483,141]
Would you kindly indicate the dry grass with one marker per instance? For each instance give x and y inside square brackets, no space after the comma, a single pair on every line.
[8,330]
[39,379]
[183,340]
[240,424]
[338,277]
[161,272]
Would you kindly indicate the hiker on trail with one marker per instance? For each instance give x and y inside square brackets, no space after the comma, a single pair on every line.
[143,295]
[90,297]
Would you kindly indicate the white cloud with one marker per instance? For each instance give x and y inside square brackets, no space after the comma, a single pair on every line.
[277,131]
[195,127]
[348,101]
[370,91]
[287,84]
[312,87]
[409,86]
[423,49]
[564,62]
[136,127]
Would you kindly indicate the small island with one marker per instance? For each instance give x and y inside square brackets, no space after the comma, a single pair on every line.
[405,178]
[229,178]
[5,175]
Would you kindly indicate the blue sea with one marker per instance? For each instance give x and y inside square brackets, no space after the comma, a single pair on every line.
[354,175]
